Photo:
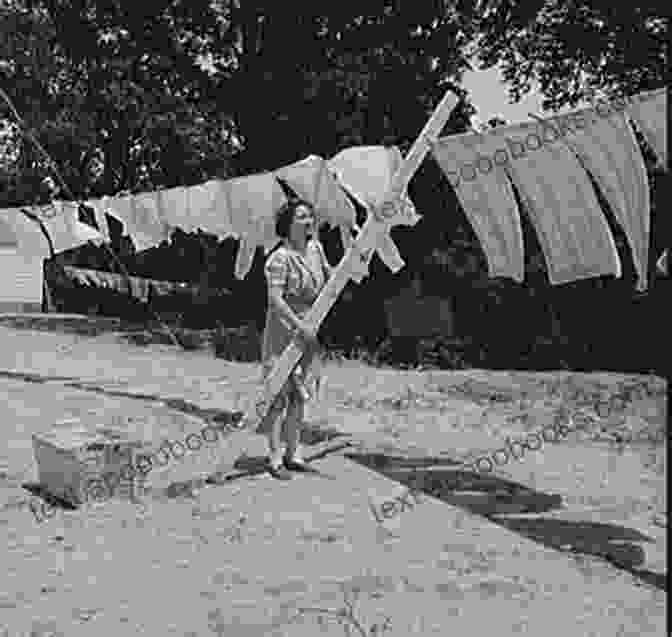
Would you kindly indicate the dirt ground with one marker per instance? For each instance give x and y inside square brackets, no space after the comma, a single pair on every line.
[568,540]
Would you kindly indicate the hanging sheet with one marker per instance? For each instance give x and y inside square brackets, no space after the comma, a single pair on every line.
[174,208]
[474,167]
[147,223]
[608,149]
[252,202]
[140,218]
[311,179]
[649,110]
[572,230]
[366,172]
[208,210]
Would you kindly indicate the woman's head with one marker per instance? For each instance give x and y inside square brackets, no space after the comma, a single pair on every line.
[295,220]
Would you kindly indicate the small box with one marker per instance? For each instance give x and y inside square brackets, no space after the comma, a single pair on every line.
[79,463]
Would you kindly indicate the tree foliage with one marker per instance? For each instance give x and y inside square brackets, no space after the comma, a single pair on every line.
[111,90]
[575,49]
[307,79]
[127,96]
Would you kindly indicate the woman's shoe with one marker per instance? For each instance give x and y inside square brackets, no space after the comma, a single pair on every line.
[279,473]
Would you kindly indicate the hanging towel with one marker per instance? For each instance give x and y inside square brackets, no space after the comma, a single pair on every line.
[573,233]
[649,110]
[208,209]
[147,224]
[311,179]
[608,149]
[486,195]
[253,201]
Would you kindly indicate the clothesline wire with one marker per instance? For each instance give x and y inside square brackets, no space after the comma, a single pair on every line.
[28,133]
[24,128]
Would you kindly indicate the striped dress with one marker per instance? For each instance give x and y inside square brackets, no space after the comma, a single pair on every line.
[301,278]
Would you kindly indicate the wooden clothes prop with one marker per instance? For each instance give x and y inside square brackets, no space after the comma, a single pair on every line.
[374,233]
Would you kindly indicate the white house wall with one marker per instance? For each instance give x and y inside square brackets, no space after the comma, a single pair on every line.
[20,282]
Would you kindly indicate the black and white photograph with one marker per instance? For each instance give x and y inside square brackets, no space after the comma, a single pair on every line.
[331,319]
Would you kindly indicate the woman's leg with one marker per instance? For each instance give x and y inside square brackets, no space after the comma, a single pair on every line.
[293,425]
[275,442]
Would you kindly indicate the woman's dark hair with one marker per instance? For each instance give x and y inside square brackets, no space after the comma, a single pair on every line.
[285,215]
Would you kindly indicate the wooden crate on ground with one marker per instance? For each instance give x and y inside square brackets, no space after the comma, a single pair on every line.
[81,462]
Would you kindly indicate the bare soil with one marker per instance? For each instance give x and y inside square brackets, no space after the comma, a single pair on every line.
[568,540]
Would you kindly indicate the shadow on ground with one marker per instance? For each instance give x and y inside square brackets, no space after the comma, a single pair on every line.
[504,502]
[145,333]
[246,466]
[312,435]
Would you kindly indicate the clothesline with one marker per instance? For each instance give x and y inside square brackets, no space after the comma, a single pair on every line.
[242,207]
[547,161]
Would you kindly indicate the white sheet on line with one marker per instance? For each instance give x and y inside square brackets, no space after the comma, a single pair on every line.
[572,230]
[487,200]
[608,149]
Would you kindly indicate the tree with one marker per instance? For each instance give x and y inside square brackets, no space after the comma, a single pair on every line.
[575,49]
[114,91]
[129,96]
[136,96]
[306,78]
